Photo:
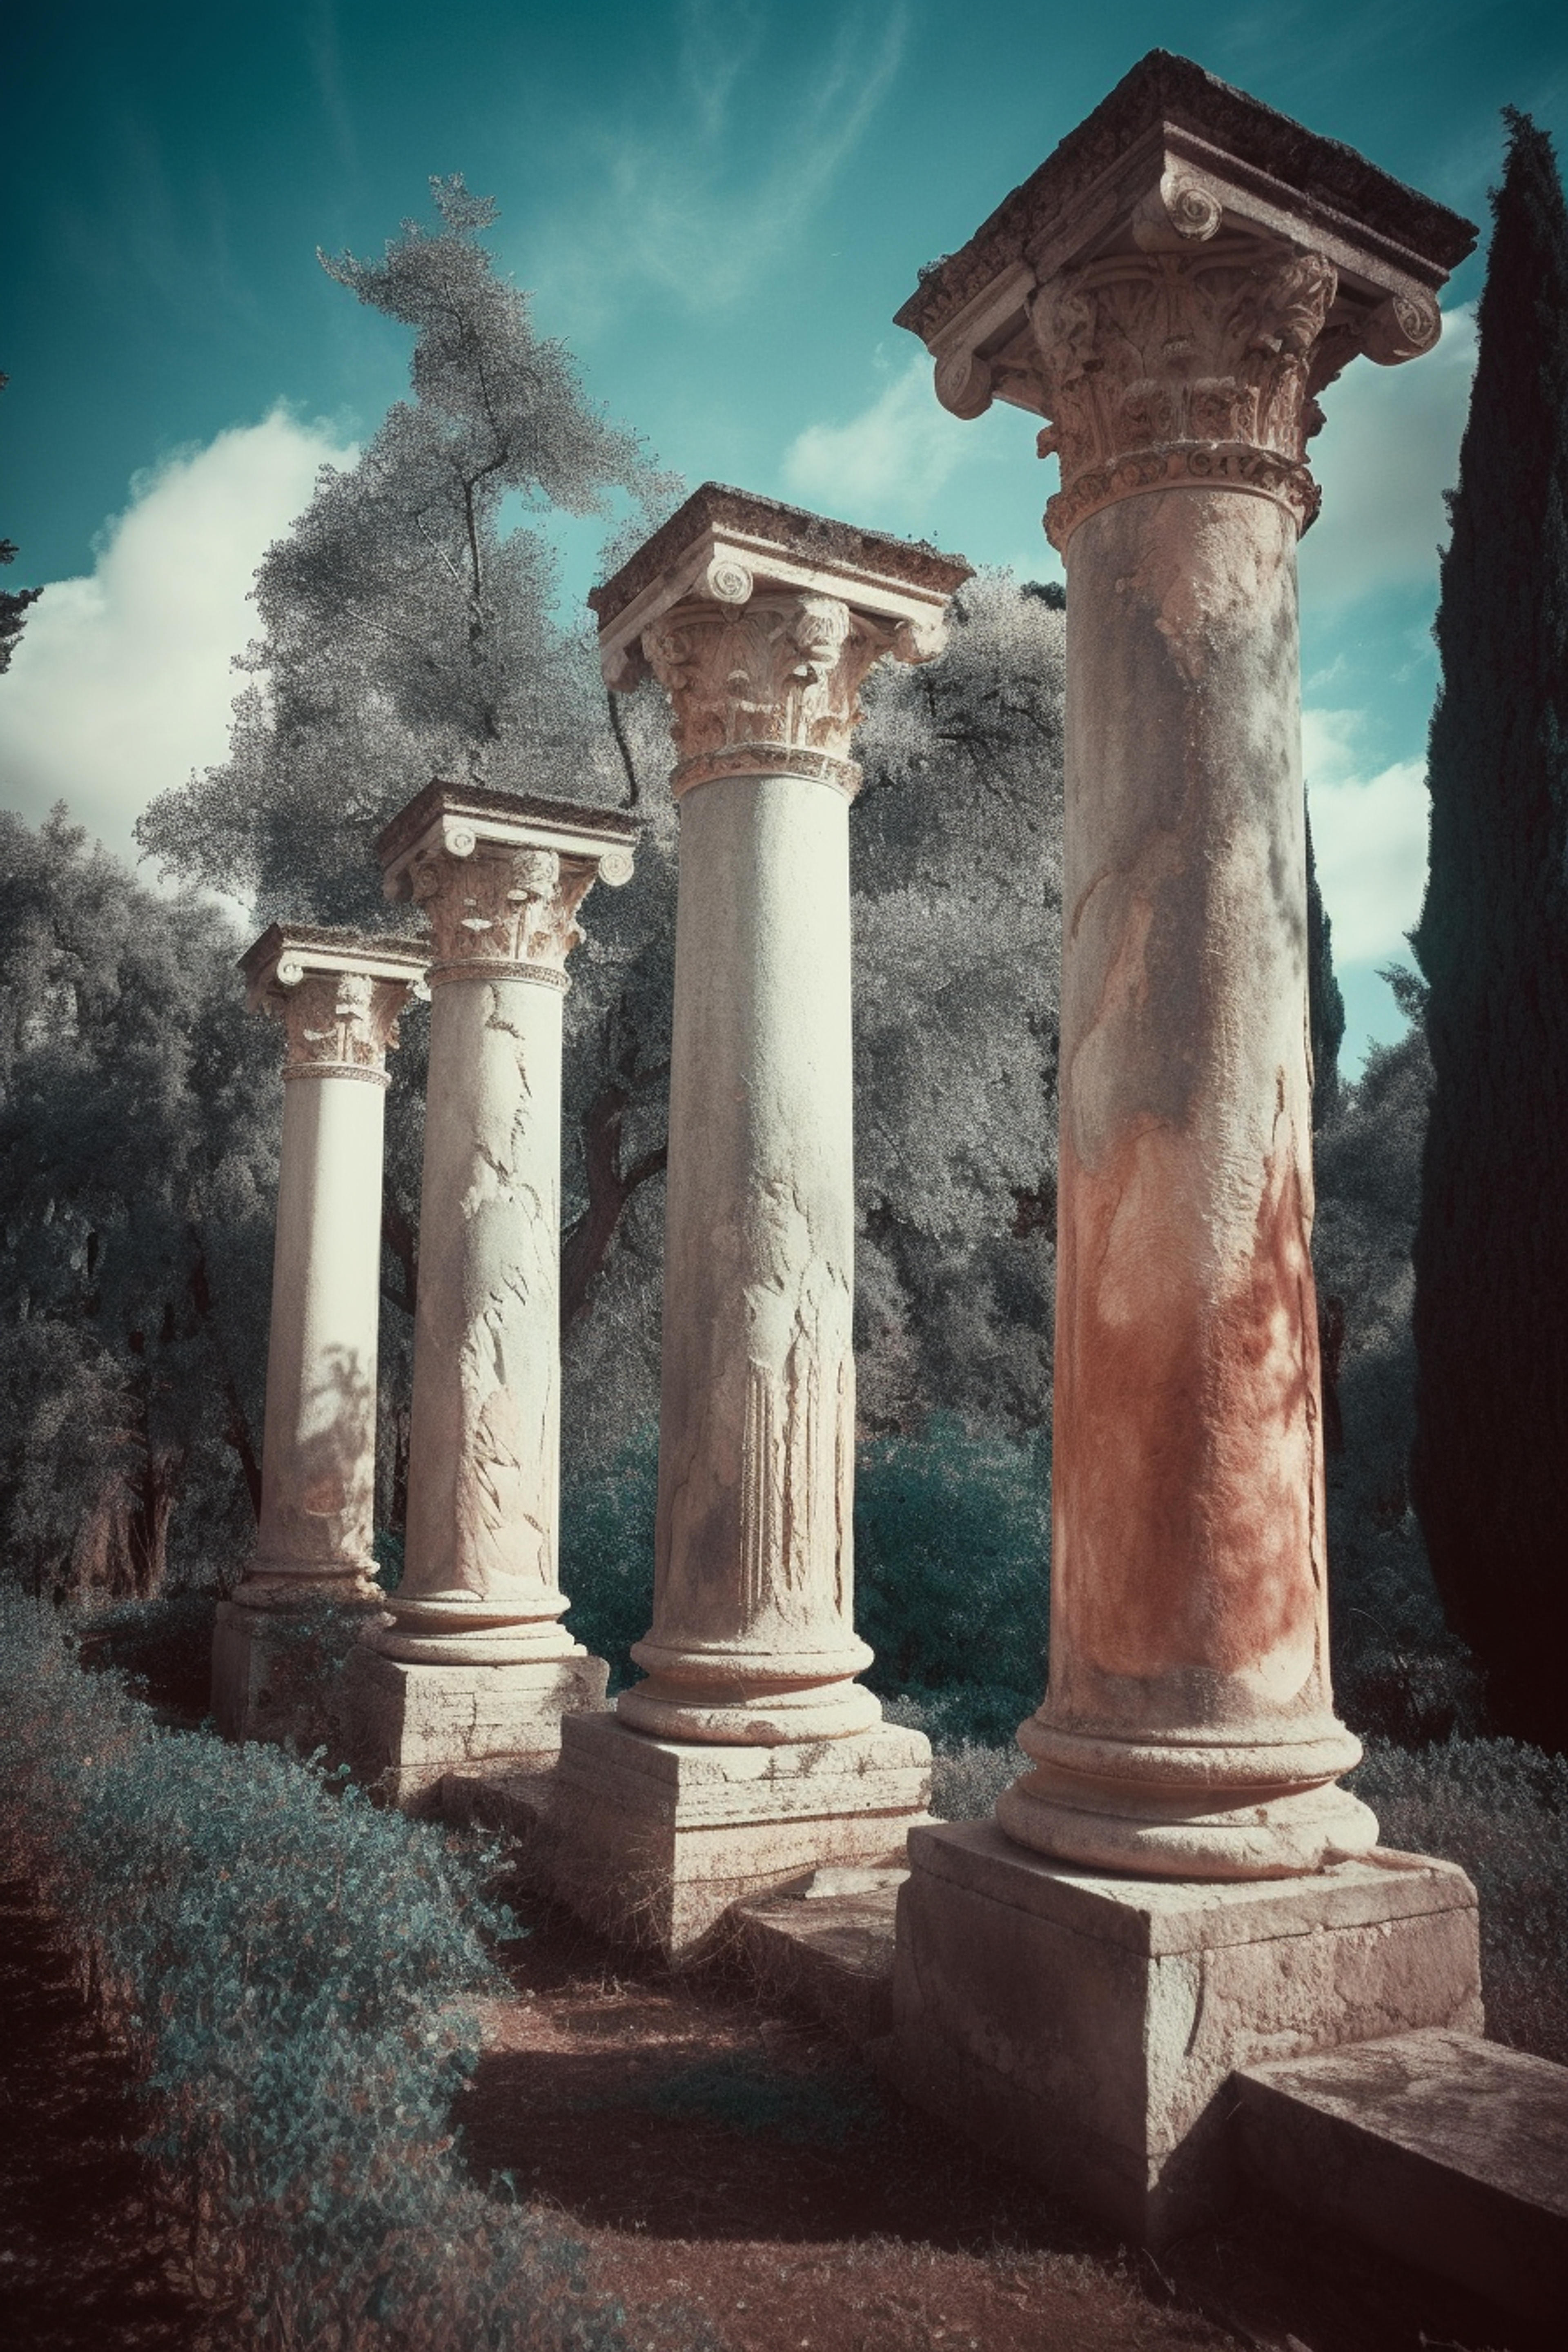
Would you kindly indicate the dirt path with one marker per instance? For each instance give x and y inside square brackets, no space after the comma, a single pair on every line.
[87,2250]
[748,2166]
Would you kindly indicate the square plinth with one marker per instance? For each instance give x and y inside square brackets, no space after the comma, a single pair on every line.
[278,1673]
[1087,2026]
[651,1841]
[409,1726]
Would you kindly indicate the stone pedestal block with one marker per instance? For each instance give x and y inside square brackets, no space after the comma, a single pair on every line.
[1086,2027]
[278,1673]
[410,1724]
[652,1839]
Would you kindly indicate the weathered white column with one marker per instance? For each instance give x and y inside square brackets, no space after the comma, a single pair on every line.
[338,996]
[750,1753]
[1172,289]
[475,1669]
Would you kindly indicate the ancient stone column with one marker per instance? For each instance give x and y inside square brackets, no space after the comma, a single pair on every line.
[1172,291]
[759,623]
[475,1669]
[338,996]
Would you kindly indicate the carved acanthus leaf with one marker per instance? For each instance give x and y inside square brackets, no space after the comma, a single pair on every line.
[781,672]
[493,903]
[336,1022]
[1178,356]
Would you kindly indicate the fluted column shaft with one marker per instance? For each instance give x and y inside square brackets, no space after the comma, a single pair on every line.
[339,999]
[1188,1729]
[481,1581]
[752,1639]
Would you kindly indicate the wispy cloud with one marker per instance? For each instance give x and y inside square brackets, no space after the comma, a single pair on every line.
[121,683]
[325,43]
[1369,838]
[739,156]
[1389,450]
[886,463]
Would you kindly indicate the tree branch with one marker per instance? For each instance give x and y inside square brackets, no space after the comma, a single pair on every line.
[398,1235]
[634,789]
[610,1187]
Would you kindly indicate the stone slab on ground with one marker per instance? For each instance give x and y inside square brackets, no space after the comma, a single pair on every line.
[827,1949]
[1446,2150]
[411,1726]
[652,1841]
[1086,2025]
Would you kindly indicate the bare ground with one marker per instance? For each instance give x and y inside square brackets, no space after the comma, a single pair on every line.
[747,2166]
[736,2172]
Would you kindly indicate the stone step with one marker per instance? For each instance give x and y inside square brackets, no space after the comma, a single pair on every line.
[1446,2150]
[828,1948]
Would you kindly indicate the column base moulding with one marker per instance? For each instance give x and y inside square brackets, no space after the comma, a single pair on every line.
[1087,2027]
[279,1649]
[410,1725]
[651,1841]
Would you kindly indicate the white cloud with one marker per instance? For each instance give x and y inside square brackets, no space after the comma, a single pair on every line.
[886,461]
[121,682]
[1389,450]
[1369,839]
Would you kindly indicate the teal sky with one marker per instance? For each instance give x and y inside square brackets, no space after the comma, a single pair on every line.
[720,207]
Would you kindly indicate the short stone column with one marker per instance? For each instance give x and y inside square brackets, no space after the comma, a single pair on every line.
[1172,289]
[750,1753]
[475,1669]
[338,996]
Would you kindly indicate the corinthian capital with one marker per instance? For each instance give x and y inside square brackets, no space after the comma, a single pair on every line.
[1183,366]
[1176,284]
[338,995]
[499,877]
[760,622]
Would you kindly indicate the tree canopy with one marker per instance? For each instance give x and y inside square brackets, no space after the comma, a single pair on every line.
[406,620]
[138,1163]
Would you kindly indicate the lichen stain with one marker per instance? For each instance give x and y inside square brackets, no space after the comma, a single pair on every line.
[1205,570]
[1185,1437]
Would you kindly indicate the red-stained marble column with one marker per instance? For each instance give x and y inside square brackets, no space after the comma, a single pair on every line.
[1178,1887]
[1171,290]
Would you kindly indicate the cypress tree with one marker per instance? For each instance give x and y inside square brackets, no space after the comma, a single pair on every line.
[1489,1466]
[1325,1003]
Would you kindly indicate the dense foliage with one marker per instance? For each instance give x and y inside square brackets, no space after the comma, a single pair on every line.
[1490,1462]
[952,1567]
[297,1970]
[1325,1002]
[1398,1669]
[138,1116]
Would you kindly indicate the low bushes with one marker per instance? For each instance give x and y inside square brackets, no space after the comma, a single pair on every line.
[297,1970]
[1500,1810]
[952,1569]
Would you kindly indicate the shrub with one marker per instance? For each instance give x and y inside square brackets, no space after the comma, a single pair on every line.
[298,1970]
[606,1552]
[1500,1810]
[952,1572]
[952,1553]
